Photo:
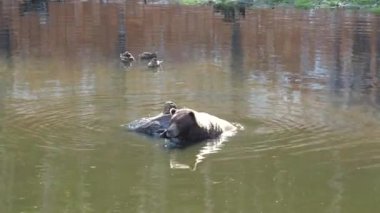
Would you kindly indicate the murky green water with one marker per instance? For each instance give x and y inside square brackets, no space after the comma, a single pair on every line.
[304,84]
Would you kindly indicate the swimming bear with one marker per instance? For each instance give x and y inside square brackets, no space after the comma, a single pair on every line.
[188,126]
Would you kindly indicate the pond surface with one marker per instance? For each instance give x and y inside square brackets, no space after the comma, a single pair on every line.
[304,84]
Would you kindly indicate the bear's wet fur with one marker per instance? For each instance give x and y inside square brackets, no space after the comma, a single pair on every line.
[154,126]
[188,126]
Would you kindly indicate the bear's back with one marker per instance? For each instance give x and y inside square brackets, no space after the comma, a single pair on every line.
[205,120]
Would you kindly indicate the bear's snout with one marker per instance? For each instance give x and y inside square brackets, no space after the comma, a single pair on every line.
[172,131]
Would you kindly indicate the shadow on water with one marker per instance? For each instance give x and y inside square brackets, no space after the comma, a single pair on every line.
[361,79]
[356,73]
[5,34]
[41,7]
[122,39]
[5,59]
[336,74]
[5,44]
[237,55]
[376,64]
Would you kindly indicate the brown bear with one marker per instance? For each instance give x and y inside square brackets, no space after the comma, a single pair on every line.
[188,126]
[153,126]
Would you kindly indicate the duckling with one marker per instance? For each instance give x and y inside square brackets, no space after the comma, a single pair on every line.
[147,55]
[168,106]
[153,126]
[126,57]
[154,63]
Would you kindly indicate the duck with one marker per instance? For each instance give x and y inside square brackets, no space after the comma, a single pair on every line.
[154,63]
[147,55]
[126,57]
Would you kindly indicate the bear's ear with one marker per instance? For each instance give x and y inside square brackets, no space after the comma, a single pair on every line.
[172,111]
[192,115]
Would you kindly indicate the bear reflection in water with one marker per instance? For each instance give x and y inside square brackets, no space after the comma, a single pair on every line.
[153,126]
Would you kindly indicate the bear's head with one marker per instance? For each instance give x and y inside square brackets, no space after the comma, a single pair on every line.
[182,121]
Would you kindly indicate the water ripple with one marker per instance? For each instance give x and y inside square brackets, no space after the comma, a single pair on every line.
[303,133]
[61,124]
